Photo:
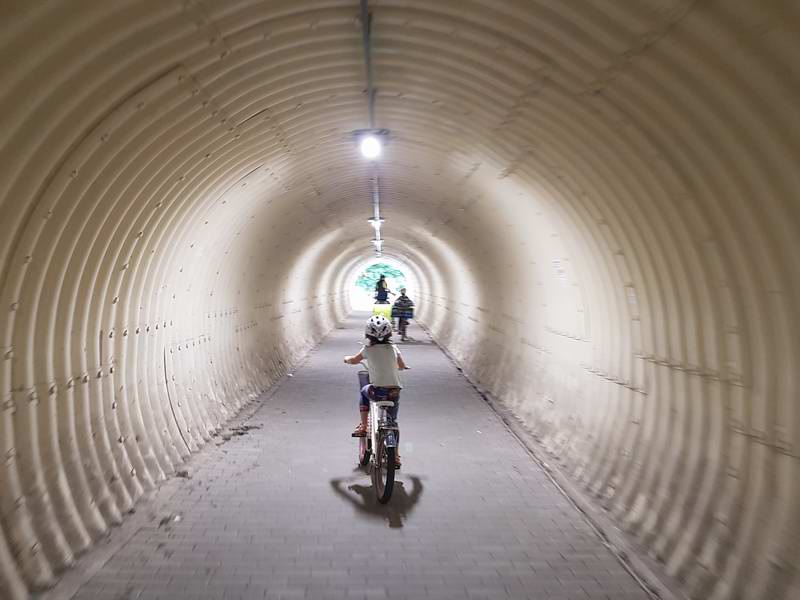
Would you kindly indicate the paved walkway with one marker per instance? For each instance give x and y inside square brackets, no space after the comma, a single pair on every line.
[282,512]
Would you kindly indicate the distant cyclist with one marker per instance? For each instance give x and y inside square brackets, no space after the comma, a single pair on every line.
[382,290]
[403,310]
[384,362]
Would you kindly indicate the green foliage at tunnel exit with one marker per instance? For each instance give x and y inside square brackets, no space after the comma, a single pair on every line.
[369,277]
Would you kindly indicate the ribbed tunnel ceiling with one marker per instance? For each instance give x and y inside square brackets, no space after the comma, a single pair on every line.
[597,198]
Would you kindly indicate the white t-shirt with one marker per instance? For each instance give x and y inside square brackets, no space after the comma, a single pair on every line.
[382,365]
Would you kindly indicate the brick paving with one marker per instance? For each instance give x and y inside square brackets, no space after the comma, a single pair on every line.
[283,512]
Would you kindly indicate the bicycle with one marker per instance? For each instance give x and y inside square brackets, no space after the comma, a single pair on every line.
[403,314]
[382,434]
[402,327]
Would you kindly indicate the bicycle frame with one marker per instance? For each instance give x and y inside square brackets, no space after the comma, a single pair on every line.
[379,421]
[382,434]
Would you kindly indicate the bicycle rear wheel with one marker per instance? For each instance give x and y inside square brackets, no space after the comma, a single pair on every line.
[383,470]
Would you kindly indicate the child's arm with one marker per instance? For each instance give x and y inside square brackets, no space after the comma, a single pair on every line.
[401,364]
[354,360]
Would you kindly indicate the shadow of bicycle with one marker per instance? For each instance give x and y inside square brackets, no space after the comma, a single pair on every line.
[362,497]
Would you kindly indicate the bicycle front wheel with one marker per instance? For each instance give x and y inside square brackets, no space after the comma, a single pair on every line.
[383,470]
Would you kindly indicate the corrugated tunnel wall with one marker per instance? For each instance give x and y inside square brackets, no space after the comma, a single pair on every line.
[598,198]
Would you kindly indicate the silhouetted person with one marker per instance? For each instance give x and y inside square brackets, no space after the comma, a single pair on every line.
[382,290]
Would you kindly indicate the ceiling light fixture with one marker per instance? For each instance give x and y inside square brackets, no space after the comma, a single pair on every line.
[370,147]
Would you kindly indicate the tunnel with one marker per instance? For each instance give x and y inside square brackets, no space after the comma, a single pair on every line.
[597,202]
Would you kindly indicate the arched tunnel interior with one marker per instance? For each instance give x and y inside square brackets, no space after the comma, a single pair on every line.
[597,202]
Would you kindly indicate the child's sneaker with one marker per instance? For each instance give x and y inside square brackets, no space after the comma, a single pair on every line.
[360,431]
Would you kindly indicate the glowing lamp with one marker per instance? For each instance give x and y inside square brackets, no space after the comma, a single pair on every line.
[370,147]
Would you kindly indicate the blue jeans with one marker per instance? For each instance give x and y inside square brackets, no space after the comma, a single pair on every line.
[371,392]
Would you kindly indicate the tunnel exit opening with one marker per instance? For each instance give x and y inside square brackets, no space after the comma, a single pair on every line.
[366,274]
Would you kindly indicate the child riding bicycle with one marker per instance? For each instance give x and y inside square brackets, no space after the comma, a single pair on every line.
[384,362]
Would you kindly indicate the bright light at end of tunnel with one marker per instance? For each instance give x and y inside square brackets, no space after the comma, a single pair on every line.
[370,147]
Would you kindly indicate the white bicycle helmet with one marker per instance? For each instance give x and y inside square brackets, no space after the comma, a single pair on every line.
[378,327]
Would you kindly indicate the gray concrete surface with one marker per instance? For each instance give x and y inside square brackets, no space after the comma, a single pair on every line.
[281,511]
